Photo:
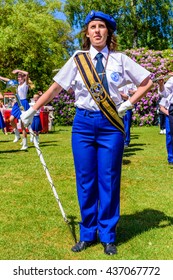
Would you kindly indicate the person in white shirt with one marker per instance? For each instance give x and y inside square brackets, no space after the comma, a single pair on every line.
[166,106]
[36,123]
[126,92]
[97,134]
[22,90]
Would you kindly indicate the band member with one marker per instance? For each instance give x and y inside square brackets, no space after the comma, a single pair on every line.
[36,124]
[126,92]
[166,106]
[22,90]
[95,73]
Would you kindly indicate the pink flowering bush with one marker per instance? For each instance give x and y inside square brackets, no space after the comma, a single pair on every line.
[64,108]
[158,63]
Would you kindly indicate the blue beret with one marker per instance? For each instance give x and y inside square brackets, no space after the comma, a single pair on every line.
[93,15]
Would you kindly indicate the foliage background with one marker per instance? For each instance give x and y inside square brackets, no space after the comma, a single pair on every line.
[34,38]
[140,23]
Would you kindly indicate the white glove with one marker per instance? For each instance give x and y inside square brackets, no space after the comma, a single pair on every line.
[27,116]
[124,107]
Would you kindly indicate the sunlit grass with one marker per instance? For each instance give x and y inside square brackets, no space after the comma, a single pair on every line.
[32,226]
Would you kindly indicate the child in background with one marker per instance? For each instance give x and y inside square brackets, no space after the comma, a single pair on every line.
[22,90]
[36,124]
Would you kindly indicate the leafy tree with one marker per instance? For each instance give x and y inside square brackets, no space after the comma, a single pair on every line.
[33,39]
[140,23]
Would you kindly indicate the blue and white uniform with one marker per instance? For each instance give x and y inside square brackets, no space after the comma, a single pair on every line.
[22,92]
[98,145]
[127,119]
[167,102]
[36,124]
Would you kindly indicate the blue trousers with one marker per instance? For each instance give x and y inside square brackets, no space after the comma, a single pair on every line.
[169,143]
[97,149]
[127,119]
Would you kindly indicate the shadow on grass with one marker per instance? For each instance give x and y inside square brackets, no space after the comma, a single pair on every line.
[134,136]
[5,141]
[131,151]
[134,147]
[72,224]
[45,144]
[11,151]
[134,224]
[131,225]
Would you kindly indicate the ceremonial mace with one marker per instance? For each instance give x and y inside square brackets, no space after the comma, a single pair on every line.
[13,85]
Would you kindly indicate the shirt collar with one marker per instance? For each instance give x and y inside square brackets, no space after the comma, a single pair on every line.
[94,52]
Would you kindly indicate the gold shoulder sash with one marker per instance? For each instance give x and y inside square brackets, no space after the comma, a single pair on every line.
[96,89]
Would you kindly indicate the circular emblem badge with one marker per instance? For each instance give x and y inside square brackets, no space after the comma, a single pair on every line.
[97,91]
[115,76]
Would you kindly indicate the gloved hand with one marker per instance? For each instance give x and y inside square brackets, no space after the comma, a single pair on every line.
[27,116]
[124,107]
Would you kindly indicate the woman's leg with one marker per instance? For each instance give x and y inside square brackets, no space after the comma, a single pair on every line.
[169,145]
[85,160]
[110,153]
[16,131]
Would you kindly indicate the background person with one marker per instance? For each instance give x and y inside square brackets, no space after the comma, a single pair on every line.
[2,119]
[126,92]
[166,91]
[36,124]
[97,144]
[164,106]
[22,90]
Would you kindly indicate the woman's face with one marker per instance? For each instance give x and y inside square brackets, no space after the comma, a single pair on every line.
[97,33]
[21,79]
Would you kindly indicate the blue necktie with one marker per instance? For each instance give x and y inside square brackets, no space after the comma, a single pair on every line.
[101,71]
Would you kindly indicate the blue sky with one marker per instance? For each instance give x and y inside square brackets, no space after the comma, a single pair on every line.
[61,15]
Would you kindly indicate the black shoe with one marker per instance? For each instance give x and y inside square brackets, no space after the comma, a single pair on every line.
[109,248]
[170,163]
[82,245]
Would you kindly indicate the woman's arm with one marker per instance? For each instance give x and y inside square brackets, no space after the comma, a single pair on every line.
[141,90]
[27,116]
[164,110]
[16,71]
[4,79]
[124,96]
[53,91]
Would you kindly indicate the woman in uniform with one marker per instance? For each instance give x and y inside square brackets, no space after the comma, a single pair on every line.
[96,73]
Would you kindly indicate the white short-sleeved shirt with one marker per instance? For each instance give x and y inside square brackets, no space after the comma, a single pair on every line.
[22,91]
[164,102]
[120,70]
[168,90]
[128,87]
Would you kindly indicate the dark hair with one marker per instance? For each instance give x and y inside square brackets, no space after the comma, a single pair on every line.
[111,39]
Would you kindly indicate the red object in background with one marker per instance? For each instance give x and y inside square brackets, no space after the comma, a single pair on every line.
[44,121]
[7,120]
[43,117]
[44,114]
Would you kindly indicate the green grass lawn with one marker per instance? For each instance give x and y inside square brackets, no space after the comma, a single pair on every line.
[31,224]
